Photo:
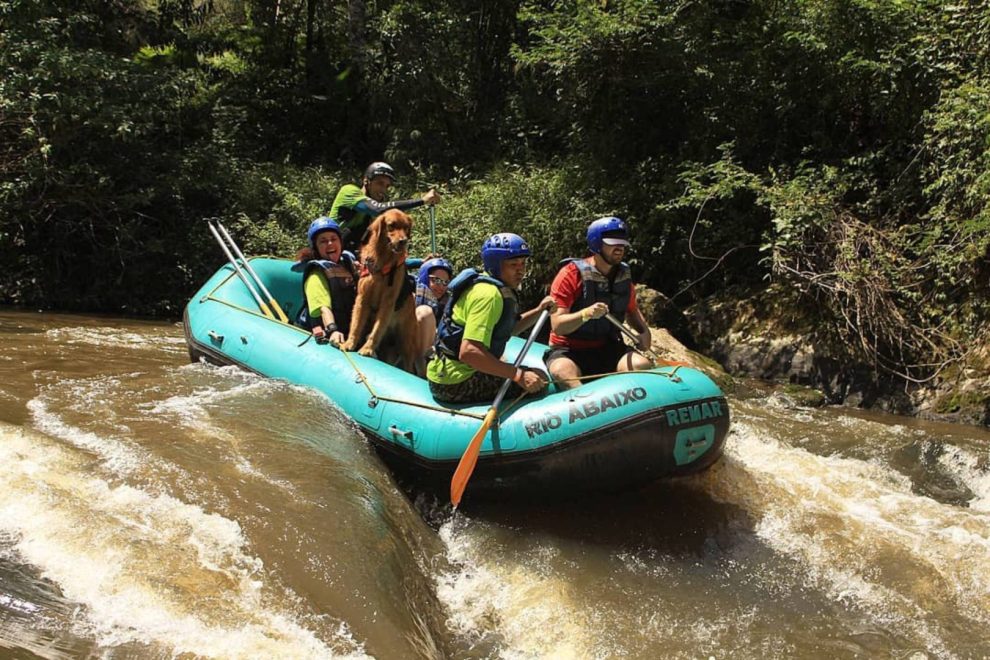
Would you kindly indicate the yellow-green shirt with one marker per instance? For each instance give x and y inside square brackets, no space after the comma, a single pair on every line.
[477,311]
[317,291]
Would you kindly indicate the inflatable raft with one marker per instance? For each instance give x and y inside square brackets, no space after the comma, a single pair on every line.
[619,431]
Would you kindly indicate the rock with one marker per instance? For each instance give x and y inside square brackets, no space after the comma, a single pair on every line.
[660,312]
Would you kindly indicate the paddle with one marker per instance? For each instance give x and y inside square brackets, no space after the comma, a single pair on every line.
[240,273]
[648,353]
[261,285]
[470,458]
[433,230]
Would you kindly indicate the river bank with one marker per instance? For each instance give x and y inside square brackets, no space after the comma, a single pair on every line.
[752,340]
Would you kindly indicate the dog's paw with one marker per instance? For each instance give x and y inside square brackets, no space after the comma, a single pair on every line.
[367,351]
[347,346]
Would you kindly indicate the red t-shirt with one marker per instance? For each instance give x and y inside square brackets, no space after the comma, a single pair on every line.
[566,289]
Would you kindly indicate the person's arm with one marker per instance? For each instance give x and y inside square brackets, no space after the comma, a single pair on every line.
[477,356]
[370,207]
[529,317]
[566,321]
[565,289]
[483,307]
[317,291]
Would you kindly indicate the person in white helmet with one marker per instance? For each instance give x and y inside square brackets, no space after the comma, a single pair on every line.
[582,341]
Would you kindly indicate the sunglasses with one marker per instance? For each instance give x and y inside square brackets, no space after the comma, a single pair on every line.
[439,281]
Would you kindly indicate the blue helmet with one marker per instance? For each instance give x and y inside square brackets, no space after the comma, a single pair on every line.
[319,226]
[430,264]
[500,247]
[610,230]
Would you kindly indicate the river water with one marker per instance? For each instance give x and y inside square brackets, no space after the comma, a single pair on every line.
[153,508]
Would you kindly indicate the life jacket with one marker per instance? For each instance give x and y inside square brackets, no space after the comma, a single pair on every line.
[342,279]
[450,333]
[597,287]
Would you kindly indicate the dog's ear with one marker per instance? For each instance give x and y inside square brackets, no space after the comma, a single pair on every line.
[369,243]
[381,227]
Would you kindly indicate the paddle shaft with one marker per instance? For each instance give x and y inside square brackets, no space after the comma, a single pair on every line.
[433,230]
[628,333]
[240,273]
[470,457]
[522,354]
[261,285]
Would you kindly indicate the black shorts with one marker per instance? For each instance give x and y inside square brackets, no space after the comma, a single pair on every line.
[480,387]
[591,361]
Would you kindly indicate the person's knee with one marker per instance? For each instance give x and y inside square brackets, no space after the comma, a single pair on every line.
[633,361]
[424,313]
[564,369]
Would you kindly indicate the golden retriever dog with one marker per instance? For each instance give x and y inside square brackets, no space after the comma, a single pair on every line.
[383,279]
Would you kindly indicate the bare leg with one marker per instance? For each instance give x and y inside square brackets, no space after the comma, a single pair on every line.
[426,327]
[565,372]
[633,361]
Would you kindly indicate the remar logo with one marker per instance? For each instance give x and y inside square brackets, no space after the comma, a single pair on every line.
[694,413]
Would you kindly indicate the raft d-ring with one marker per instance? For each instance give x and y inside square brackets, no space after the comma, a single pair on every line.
[215,337]
[373,402]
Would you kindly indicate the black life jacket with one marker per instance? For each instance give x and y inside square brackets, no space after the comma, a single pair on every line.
[450,334]
[596,287]
[342,279]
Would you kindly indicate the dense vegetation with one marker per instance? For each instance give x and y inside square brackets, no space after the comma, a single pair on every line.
[830,156]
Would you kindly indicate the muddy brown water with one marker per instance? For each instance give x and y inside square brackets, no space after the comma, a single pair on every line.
[153,508]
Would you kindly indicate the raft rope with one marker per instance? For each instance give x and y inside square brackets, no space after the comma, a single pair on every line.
[362,378]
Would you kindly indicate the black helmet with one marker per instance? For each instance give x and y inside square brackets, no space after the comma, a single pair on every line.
[379,169]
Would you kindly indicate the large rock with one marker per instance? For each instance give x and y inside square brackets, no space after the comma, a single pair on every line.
[767,340]
[660,312]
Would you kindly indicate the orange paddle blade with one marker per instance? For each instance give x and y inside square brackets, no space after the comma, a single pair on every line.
[470,458]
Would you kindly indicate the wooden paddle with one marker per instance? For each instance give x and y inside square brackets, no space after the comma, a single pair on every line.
[470,458]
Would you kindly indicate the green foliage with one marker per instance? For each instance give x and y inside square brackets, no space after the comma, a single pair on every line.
[548,207]
[838,148]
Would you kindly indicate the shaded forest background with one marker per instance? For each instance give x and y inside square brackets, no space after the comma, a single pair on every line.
[829,160]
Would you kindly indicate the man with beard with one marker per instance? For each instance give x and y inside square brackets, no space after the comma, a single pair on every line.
[583,342]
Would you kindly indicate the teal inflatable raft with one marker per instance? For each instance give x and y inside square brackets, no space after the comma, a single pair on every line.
[619,431]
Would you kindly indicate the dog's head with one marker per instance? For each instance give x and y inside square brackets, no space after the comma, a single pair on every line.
[390,232]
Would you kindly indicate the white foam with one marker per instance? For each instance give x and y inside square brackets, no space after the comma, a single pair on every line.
[533,611]
[118,456]
[154,340]
[148,568]
[841,518]
[245,467]
[18,605]
[973,472]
